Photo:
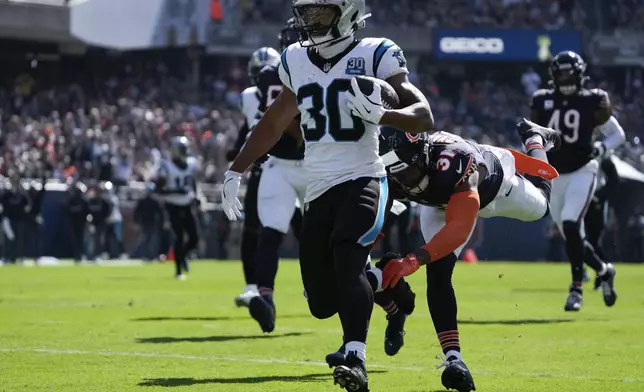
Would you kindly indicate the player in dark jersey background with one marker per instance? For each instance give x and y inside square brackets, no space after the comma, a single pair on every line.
[251,226]
[264,90]
[577,112]
[455,182]
[280,194]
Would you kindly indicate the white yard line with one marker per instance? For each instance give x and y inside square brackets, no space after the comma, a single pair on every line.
[69,263]
[302,363]
[191,357]
[570,342]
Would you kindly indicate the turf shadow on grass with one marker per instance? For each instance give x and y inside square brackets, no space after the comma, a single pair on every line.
[222,318]
[221,338]
[182,382]
[187,381]
[516,322]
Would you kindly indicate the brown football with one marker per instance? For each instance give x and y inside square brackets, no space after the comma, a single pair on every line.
[389,96]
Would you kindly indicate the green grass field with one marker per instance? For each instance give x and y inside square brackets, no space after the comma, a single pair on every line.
[119,329]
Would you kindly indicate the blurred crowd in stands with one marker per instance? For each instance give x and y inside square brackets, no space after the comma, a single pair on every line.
[549,14]
[115,128]
[626,14]
[452,13]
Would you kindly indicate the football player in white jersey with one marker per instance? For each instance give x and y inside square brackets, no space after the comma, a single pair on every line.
[347,194]
[175,183]
[250,102]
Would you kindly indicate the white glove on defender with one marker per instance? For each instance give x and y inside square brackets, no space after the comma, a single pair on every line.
[229,202]
[368,108]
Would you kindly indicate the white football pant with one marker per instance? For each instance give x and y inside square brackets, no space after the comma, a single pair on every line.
[517,198]
[282,188]
[571,196]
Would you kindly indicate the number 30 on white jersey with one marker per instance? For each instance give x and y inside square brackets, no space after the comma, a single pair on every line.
[339,146]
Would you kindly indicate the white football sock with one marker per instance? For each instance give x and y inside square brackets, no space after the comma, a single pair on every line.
[535,139]
[455,354]
[359,347]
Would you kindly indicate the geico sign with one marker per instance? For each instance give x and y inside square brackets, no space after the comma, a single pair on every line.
[471,45]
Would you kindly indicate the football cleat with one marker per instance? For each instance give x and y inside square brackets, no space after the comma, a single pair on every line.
[263,313]
[598,282]
[586,278]
[244,298]
[352,374]
[551,138]
[608,285]
[457,376]
[401,294]
[574,300]
[181,277]
[395,333]
[337,358]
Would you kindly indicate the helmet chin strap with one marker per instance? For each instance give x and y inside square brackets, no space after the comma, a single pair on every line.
[330,50]
[421,187]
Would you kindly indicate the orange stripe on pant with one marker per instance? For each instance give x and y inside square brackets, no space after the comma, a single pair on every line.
[532,166]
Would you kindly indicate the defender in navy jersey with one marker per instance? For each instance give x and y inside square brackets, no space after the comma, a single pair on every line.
[281,191]
[249,105]
[455,182]
[454,159]
[577,112]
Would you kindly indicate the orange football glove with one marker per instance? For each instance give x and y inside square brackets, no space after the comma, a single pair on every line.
[396,269]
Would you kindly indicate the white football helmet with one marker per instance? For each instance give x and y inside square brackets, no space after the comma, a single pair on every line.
[259,59]
[325,22]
